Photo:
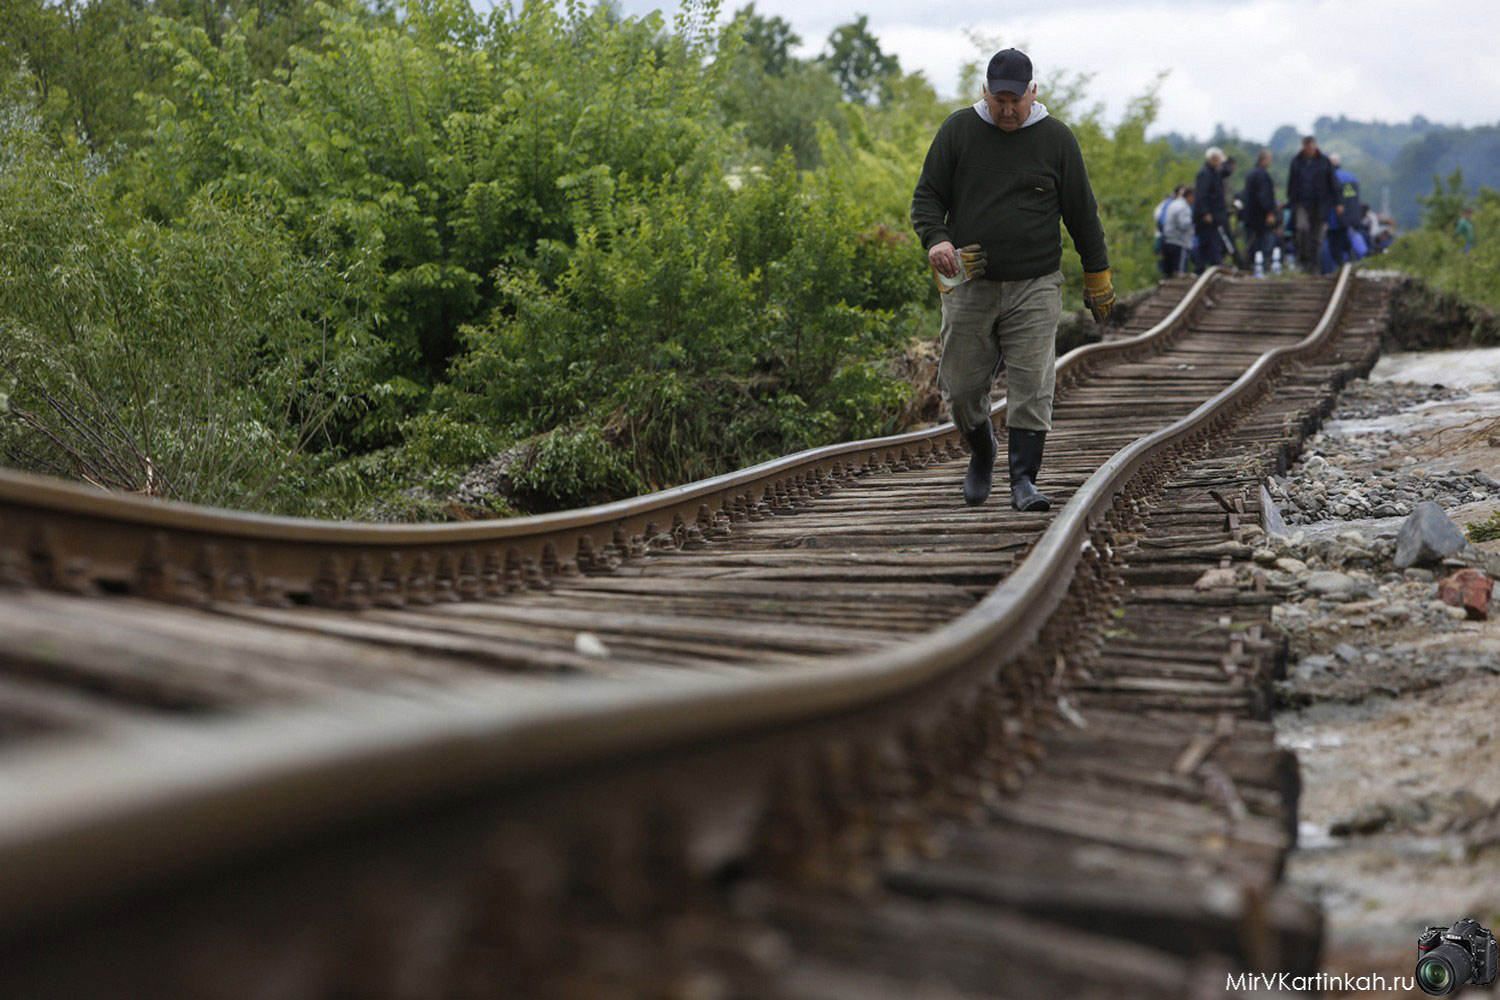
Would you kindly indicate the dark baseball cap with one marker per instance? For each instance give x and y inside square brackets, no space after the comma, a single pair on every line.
[1010,69]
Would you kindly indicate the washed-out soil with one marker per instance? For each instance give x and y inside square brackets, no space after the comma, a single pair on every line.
[1392,698]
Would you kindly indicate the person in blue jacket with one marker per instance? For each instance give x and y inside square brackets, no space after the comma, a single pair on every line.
[1340,248]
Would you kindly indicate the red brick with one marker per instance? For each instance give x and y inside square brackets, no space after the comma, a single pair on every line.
[1468,589]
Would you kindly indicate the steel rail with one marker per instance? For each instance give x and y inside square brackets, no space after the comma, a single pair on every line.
[90,822]
[86,537]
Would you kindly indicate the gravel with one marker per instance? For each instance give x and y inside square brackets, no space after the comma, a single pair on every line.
[1334,480]
[1358,624]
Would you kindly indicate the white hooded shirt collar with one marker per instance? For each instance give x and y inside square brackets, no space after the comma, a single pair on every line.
[1038,112]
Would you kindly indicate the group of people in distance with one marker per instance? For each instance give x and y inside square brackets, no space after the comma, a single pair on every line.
[1321,225]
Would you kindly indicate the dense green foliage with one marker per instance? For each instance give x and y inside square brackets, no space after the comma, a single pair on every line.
[1436,253]
[197,360]
[306,257]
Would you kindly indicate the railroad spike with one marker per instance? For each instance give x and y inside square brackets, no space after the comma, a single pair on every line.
[566,569]
[210,568]
[239,583]
[151,572]
[619,544]
[584,554]
[44,558]
[536,576]
[160,579]
[15,573]
[360,586]
[272,593]
[469,588]
[707,525]
[75,577]
[515,577]
[419,581]
[327,587]
[390,589]
[492,577]
[444,581]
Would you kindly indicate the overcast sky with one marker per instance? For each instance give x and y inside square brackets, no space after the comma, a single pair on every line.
[1252,64]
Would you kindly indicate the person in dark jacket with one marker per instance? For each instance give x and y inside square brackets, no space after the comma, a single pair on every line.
[1260,211]
[1210,210]
[998,178]
[1311,191]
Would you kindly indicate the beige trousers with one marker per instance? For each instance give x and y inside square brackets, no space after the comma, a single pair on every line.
[987,322]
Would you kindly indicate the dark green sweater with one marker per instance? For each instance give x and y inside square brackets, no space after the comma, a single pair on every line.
[1006,191]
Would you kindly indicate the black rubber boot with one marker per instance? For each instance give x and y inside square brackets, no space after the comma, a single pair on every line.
[1025,463]
[984,447]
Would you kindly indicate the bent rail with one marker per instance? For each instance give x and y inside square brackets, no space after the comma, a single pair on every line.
[90,823]
[79,537]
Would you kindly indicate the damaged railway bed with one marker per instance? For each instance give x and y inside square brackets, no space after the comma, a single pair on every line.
[814,729]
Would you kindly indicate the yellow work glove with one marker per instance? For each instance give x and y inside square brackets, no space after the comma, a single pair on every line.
[971,264]
[1099,293]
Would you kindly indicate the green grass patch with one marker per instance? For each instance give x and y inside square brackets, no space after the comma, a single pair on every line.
[1485,531]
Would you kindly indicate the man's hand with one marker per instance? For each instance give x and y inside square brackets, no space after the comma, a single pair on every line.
[1338,210]
[1099,293]
[1270,218]
[972,257]
[1208,218]
[944,258]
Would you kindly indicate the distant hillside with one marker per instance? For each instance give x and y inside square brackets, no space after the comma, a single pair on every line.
[1394,161]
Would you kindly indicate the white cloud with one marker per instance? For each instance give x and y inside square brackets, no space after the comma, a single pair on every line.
[1253,64]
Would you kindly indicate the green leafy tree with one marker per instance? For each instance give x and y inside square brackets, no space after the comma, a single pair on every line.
[1434,253]
[768,40]
[305,256]
[1443,207]
[86,60]
[712,327]
[194,362]
[426,155]
[863,70]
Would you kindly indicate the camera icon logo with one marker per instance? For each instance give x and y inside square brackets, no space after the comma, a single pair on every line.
[1449,958]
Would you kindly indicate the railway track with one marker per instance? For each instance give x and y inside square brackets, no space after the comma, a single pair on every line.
[636,750]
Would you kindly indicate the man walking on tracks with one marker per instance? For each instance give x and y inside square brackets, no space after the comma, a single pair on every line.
[997,178]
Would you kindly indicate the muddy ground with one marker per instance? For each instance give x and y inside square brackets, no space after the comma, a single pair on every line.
[1392,700]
